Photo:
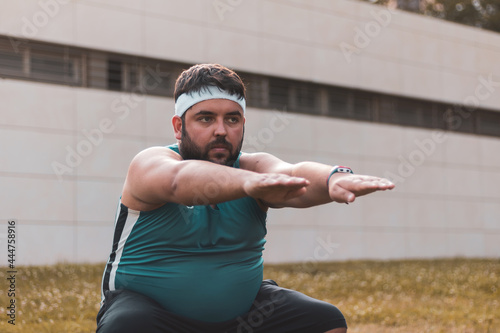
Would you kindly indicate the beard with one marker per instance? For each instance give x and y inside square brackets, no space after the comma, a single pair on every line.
[191,151]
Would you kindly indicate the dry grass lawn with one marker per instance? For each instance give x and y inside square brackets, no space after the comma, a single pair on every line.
[452,295]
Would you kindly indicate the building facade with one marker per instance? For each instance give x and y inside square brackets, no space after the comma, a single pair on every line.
[85,85]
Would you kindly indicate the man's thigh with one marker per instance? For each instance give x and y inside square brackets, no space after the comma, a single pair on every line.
[126,311]
[277,309]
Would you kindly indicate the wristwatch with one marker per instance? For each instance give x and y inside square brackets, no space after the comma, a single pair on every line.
[338,168]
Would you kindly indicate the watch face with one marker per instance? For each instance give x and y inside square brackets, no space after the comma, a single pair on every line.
[344,169]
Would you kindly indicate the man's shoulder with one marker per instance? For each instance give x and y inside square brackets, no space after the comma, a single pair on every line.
[156,152]
[174,147]
[247,159]
[255,161]
[161,149]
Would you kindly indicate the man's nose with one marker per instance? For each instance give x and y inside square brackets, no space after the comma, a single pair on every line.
[220,129]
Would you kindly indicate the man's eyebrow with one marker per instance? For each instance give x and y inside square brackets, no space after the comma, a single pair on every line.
[206,113]
[210,113]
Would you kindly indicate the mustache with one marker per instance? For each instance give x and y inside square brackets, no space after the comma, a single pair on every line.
[219,142]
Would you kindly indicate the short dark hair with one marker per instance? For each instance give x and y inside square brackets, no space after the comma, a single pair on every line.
[198,76]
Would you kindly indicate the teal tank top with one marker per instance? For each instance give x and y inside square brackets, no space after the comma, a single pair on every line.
[196,261]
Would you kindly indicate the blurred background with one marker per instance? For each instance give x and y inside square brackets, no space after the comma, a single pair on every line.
[389,88]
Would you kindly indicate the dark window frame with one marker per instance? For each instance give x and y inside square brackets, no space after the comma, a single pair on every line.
[90,68]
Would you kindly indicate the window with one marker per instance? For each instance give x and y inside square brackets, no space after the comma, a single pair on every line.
[97,70]
[61,64]
[488,122]
[132,76]
[115,75]
[427,115]
[11,60]
[339,102]
[54,68]
[54,64]
[279,94]
[257,88]
[459,118]
[408,112]
[158,78]
[305,98]
[349,104]
[387,112]
[439,112]
[362,106]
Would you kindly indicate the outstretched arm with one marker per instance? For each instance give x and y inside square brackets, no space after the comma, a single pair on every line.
[159,175]
[342,187]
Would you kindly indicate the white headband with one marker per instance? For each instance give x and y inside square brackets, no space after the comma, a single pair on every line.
[187,100]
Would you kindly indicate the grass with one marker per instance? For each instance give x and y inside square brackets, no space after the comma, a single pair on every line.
[457,295]
[449,295]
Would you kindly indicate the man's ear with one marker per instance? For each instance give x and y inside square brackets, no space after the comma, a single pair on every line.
[177,125]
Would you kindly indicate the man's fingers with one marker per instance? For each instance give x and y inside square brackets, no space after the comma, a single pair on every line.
[347,188]
[340,194]
[284,180]
[295,193]
[362,183]
[387,184]
[277,188]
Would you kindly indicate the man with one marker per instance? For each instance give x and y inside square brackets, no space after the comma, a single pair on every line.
[190,228]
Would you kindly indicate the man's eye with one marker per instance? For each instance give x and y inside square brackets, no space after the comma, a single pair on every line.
[233,120]
[204,119]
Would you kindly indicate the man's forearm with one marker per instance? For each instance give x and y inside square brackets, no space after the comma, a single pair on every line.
[157,176]
[317,192]
[342,187]
[202,183]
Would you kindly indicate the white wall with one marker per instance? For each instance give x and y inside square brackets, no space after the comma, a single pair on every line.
[447,201]
[62,170]
[400,53]
[446,204]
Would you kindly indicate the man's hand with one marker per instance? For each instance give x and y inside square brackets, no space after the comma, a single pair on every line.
[346,187]
[274,188]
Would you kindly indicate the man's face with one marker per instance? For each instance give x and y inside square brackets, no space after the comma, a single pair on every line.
[212,130]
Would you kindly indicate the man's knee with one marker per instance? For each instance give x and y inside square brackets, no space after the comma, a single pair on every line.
[125,320]
[338,330]
[129,312]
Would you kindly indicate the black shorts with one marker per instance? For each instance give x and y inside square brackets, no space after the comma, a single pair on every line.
[274,310]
